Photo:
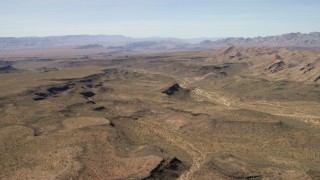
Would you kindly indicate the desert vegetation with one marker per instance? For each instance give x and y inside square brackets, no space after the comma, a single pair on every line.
[229,113]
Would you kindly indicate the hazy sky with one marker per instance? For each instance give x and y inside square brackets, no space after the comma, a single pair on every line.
[166,18]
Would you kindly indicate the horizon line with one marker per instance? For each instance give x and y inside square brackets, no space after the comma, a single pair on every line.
[160,37]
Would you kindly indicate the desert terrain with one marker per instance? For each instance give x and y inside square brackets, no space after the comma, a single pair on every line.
[235,112]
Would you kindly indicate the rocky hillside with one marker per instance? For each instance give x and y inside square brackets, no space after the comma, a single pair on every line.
[279,64]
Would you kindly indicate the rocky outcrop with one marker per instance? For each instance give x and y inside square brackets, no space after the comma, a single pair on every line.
[174,89]
[167,169]
[58,89]
[278,65]
[177,92]
[88,94]
[7,69]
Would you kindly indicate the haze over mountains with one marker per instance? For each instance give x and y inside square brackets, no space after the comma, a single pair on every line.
[285,40]
[294,40]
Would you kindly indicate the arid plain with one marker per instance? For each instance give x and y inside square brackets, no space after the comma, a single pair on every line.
[228,113]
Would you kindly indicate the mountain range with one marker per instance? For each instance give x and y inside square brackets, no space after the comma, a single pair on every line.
[294,40]
[286,40]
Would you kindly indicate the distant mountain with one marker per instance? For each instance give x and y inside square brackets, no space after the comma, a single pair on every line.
[291,40]
[90,46]
[198,40]
[89,41]
[154,45]
[296,40]
[71,40]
